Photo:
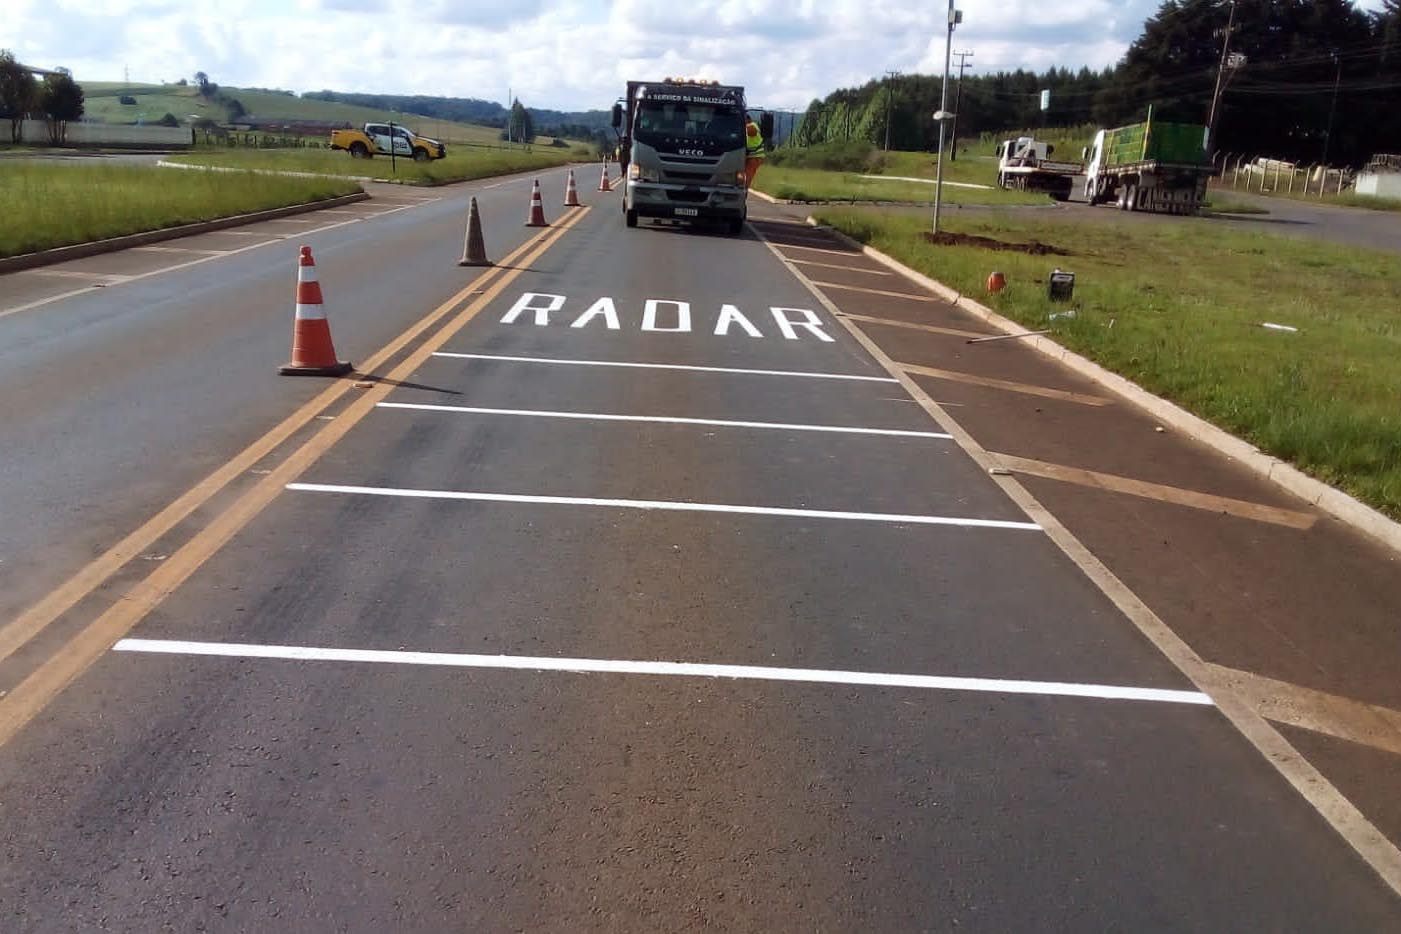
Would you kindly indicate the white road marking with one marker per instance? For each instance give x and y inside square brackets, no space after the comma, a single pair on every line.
[681,669]
[663,366]
[1327,800]
[106,277]
[664,505]
[181,249]
[6,312]
[666,420]
[925,181]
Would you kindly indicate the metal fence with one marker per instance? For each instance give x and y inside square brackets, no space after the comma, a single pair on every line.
[1246,172]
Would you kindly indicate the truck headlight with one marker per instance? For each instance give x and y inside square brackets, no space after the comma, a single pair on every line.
[638,174]
[741,178]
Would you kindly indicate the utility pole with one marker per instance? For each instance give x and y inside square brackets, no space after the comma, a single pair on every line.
[1332,108]
[955,17]
[890,76]
[958,103]
[1220,74]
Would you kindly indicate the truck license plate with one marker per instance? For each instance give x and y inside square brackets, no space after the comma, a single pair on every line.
[687,212]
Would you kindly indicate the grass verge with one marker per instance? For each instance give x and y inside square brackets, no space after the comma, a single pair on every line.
[48,204]
[1177,308]
[791,184]
[1219,205]
[1348,199]
[460,165]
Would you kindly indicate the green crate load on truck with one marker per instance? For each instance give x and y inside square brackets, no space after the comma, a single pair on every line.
[1156,141]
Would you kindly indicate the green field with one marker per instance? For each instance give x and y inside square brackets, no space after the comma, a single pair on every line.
[155,100]
[819,185]
[460,164]
[1177,308]
[48,204]
[837,175]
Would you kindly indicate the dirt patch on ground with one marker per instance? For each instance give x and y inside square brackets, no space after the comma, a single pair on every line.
[1034,247]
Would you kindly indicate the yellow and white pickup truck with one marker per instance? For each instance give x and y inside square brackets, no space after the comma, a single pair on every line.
[376,139]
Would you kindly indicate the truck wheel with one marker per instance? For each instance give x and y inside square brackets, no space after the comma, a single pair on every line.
[630,218]
[420,155]
[359,151]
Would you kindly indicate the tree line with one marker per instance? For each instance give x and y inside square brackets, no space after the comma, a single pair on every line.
[58,98]
[1317,77]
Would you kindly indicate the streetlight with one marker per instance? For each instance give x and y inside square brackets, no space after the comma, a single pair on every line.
[942,115]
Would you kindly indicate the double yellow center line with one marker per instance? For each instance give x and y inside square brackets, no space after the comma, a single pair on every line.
[92,642]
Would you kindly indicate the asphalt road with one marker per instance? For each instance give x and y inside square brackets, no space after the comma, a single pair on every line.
[1285,217]
[514,746]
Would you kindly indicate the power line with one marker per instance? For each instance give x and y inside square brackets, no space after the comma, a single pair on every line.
[957,103]
[890,76]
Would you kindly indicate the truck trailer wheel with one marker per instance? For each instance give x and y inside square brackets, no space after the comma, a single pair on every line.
[360,151]
[630,217]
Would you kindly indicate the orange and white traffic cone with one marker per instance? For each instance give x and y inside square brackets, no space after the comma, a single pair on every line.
[571,193]
[536,218]
[313,354]
[603,182]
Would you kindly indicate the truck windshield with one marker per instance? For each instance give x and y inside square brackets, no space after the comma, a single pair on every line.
[668,126]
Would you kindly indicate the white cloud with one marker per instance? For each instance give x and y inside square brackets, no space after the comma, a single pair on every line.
[564,54]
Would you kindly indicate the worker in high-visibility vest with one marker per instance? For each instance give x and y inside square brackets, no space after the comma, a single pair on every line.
[754,152]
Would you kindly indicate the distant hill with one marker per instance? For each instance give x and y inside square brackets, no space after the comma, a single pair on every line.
[471,110]
[262,106]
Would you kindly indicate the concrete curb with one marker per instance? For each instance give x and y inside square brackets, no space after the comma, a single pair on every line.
[162,163]
[769,198]
[79,250]
[1331,500]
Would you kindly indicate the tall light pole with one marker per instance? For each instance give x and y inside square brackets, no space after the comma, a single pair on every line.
[890,76]
[955,17]
[1332,109]
[1220,74]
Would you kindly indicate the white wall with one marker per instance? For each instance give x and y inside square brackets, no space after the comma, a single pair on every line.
[1379,184]
[108,134]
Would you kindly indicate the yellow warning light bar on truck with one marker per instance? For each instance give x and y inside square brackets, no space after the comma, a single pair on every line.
[695,82]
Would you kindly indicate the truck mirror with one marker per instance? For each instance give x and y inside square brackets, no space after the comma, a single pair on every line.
[766,125]
[617,116]
[1084,154]
[1051,149]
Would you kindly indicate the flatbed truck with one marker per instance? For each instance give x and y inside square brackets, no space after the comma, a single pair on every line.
[1149,166]
[1025,163]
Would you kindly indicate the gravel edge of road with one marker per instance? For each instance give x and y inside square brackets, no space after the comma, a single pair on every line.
[1335,502]
[113,244]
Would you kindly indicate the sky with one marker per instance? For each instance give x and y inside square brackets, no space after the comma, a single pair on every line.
[559,54]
